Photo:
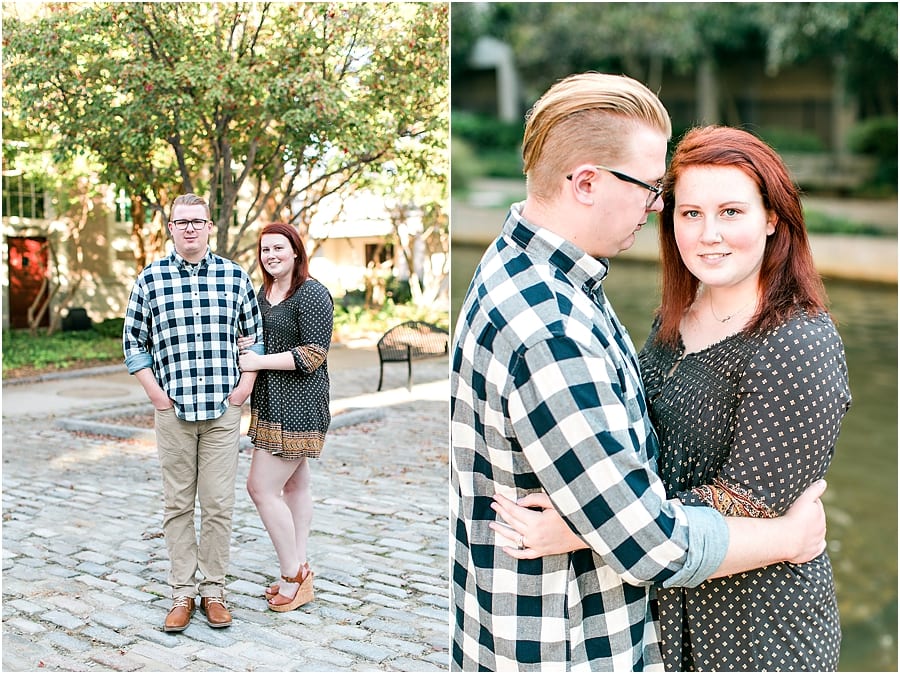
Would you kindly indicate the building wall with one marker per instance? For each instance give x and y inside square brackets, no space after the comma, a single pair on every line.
[798,97]
[109,264]
[103,262]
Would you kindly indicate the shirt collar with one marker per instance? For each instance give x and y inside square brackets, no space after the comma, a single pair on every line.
[583,270]
[181,263]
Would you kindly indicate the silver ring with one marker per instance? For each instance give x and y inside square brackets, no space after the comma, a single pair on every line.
[521,543]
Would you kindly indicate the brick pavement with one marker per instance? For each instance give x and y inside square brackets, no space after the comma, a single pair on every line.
[84,561]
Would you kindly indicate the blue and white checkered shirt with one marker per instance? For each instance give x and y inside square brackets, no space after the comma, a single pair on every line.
[183,321]
[546,395]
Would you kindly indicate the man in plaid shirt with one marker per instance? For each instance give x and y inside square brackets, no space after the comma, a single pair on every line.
[184,316]
[546,395]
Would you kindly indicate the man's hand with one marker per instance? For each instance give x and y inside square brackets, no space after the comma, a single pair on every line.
[155,394]
[162,403]
[240,394]
[806,519]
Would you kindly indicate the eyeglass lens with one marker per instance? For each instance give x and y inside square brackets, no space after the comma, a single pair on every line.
[196,224]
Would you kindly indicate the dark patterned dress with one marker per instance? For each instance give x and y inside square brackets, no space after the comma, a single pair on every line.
[289,409]
[745,426]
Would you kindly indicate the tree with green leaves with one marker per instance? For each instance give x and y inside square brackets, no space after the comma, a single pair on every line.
[268,108]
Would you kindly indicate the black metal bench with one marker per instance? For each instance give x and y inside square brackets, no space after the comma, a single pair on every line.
[413,340]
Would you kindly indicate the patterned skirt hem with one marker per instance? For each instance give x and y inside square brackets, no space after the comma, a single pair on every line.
[289,445]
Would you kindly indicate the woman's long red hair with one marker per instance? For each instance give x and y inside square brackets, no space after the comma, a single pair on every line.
[788,278]
[301,264]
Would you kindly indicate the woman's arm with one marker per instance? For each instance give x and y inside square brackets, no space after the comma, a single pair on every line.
[793,397]
[798,383]
[798,536]
[315,324]
[252,362]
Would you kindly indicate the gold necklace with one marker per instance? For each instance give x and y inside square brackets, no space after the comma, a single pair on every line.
[732,314]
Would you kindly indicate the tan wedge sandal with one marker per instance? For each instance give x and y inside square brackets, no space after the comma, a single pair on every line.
[304,593]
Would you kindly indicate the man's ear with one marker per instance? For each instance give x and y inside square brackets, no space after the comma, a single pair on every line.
[583,184]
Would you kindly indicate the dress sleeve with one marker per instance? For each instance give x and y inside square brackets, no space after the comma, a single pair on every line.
[578,428]
[793,397]
[315,317]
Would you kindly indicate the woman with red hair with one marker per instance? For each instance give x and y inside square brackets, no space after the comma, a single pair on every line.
[747,385]
[289,406]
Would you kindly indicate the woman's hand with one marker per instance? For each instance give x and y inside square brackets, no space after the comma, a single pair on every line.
[540,532]
[245,343]
[249,361]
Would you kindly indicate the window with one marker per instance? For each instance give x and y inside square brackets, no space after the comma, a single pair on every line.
[123,207]
[22,197]
[379,253]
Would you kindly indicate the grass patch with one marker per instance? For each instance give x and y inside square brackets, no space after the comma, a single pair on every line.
[24,354]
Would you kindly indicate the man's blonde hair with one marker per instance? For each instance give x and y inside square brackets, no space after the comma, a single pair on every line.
[585,118]
[189,199]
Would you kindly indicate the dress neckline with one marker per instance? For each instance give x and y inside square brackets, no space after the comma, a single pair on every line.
[684,353]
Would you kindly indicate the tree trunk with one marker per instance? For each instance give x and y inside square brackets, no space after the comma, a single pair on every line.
[138,219]
[843,110]
[707,91]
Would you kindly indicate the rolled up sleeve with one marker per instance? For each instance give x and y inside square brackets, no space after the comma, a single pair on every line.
[136,331]
[585,438]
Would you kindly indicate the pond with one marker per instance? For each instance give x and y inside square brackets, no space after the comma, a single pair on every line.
[861,500]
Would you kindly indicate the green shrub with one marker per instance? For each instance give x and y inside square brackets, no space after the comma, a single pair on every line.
[502,163]
[822,223]
[464,165]
[398,290]
[353,298]
[877,137]
[485,132]
[354,321]
[486,146]
[111,327]
[790,140]
[783,140]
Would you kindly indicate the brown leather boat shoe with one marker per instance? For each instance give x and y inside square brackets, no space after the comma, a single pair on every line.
[180,614]
[217,614]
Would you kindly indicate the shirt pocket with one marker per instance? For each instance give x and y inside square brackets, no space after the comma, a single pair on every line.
[224,307]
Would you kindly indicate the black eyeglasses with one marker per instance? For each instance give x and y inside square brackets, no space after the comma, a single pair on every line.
[655,190]
[196,224]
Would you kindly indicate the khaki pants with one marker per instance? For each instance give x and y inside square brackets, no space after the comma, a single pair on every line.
[198,459]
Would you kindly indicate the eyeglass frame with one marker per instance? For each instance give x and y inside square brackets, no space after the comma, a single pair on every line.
[655,190]
[193,223]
